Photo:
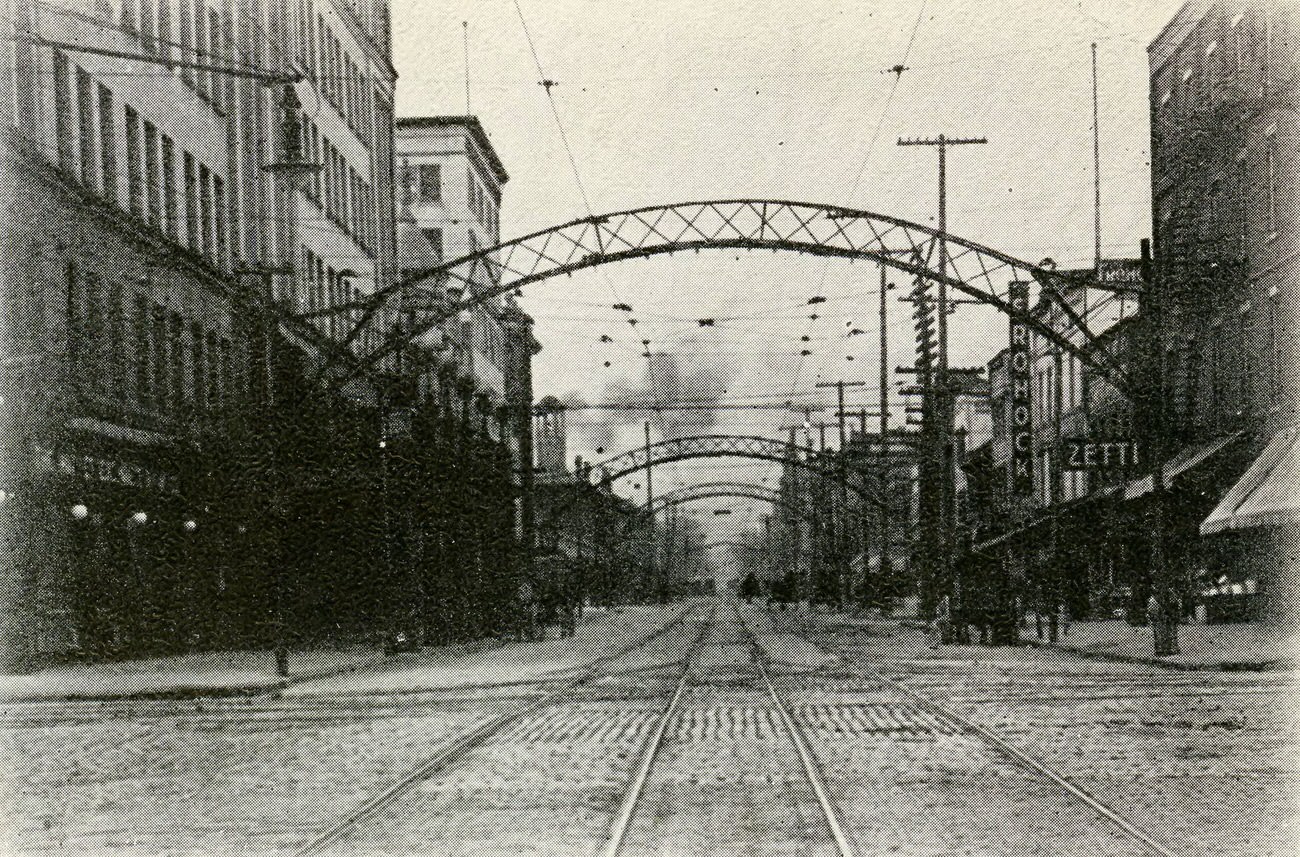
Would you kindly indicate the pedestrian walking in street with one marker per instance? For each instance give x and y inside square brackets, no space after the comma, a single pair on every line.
[942,620]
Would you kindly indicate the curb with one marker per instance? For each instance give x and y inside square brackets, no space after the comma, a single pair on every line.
[1151,660]
[1216,666]
[186,693]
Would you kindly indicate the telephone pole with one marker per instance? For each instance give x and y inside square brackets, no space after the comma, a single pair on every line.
[839,534]
[943,394]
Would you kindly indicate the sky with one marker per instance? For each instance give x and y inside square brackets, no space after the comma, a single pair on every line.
[681,100]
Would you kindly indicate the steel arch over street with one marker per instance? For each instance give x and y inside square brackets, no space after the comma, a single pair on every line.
[979,272]
[727,446]
[710,490]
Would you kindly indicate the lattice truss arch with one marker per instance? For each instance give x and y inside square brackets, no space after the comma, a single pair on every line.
[729,446]
[979,272]
[715,490]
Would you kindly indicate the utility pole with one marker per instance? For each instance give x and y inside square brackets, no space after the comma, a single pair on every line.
[650,504]
[840,532]
[943,397]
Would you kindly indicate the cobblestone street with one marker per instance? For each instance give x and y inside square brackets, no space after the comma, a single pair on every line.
[665,713]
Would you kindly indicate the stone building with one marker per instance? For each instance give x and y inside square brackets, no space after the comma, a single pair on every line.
[157,256]
[1225,167]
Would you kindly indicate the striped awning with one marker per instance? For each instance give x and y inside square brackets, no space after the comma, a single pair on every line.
[1267,494]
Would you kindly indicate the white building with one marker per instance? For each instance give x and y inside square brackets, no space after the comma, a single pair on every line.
[453,179]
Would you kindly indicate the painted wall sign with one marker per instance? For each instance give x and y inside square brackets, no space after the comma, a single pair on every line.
[96,469]
[1019,371]
[1085,454]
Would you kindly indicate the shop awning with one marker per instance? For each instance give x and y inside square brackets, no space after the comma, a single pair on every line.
[1267,494]
[1187,458]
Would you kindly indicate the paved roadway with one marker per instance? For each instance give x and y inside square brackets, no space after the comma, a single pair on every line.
[705,728]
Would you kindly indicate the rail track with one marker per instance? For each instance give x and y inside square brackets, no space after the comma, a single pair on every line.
[450,753]
[618,836]
[805,727]
[1017,756]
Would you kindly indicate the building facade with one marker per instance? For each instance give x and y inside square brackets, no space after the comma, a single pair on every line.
[159,253]
[1225,161]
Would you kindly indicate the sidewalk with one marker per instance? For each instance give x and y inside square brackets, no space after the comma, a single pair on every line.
[203,674]
[356,668]
[1238,645]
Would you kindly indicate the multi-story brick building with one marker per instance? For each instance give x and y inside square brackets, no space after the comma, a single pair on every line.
[143,221]
[1225,160]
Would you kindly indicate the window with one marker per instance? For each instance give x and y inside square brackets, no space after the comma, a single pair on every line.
[152,177]
[219,193]
[143,352]
[435,240]
[429,182]
[198,359]
[202,49]
[63,132]
[216,83]
[206,215]
[332,283]
[187,38]
[107,144]
[158,358]
[76,313]
[148,31]
[191,202]
[86,127]
[134,163]
[177,346]
[170,207]
[165,28]
[116,323]
[213,379]
[227,372]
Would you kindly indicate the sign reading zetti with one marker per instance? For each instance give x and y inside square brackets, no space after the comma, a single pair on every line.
[1022,445]
[1083,454]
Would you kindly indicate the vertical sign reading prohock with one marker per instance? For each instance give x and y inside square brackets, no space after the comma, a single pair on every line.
[1022,445]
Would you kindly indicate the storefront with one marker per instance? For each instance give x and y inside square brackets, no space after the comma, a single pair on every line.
[1253,532]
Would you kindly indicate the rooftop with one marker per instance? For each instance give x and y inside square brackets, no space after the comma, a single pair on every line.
[470,124]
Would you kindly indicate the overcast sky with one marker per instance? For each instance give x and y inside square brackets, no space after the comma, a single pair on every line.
[681,100]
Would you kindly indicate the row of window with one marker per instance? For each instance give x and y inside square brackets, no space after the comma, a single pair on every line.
[1228,60]
[139,349]
[325,288]
[340,78]
[1219,218]
[160,178]
[187,31]
[339,190]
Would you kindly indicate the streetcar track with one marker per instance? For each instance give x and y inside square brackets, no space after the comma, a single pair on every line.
[811,769]
[1017,756]
[466,741]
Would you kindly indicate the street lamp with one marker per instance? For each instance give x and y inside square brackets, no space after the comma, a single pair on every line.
[190,526]
[80,512]
[139,519]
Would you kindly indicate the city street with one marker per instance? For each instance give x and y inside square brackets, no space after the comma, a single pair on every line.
[708,726]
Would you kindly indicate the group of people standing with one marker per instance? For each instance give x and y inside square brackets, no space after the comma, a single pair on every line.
[994,624]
